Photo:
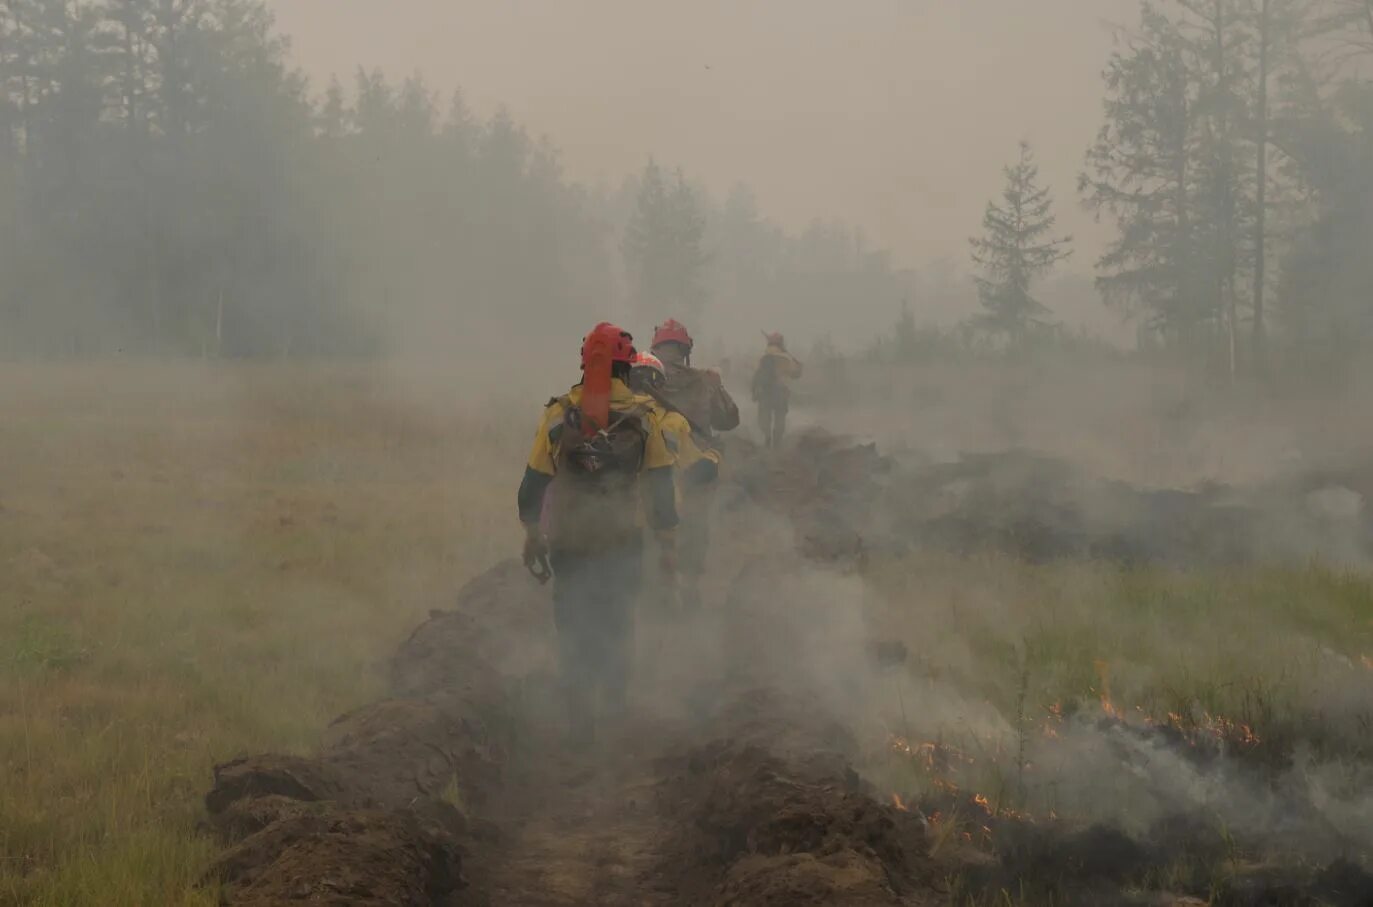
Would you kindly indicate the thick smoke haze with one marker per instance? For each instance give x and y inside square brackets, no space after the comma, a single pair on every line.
[894,114]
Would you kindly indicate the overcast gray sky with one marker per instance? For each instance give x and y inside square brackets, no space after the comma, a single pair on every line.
[896,114]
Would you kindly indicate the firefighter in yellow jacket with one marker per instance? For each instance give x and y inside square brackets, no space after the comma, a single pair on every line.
[698,468]
[600,459]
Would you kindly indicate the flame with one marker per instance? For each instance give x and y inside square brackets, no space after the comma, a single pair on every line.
[898,802]
[932,755]
[983,802]
[1103,673]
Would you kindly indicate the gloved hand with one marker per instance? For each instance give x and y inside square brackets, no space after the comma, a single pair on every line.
[535,550]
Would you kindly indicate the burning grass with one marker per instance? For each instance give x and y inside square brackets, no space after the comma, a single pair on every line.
[1049,710]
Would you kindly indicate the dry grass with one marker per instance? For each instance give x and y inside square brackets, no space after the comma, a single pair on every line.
[201,562]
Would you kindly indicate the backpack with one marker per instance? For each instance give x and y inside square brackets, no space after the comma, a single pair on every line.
[613,455]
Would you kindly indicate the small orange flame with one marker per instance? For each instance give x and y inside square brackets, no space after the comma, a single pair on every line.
[1103,673]
[898,802]
[982,801]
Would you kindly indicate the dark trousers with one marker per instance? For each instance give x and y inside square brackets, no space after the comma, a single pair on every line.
[594,595]
[772,419]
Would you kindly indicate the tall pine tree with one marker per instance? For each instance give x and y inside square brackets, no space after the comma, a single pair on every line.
[1017,246]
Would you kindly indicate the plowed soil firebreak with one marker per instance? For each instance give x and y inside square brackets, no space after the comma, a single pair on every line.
[723,785]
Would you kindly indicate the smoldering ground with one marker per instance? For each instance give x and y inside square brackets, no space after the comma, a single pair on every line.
[857,720]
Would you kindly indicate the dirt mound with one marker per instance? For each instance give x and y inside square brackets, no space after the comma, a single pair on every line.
[378,815]
[825,485]
[499,634]
[341,857]
[292,777]
[761,829]
[847,502]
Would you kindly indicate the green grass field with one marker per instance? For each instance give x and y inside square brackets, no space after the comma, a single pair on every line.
[205,561]
[200,564]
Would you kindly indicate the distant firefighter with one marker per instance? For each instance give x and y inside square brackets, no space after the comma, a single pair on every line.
[771,391]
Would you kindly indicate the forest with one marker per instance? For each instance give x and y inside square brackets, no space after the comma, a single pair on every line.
[171,184]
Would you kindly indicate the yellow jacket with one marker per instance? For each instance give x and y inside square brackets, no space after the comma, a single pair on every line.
[685,445]
[657,453]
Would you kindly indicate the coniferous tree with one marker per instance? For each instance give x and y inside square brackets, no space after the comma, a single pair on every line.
[1140,173]
[664,246]
[168,184]
[1017,247]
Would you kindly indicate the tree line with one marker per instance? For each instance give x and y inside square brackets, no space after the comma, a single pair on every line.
[1235,161]
[169,183]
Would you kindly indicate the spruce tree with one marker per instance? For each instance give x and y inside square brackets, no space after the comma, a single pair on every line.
[1140,173]
[1017,247]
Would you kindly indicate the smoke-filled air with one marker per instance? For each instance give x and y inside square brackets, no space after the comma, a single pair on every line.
[538,454]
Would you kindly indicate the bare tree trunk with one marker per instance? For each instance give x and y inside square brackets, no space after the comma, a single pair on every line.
[130,98]
[1227,204]
[219,323]
[25,98]
[1233,321]
[155,300]
[1261,213]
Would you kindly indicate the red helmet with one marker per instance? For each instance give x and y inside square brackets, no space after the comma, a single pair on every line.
[616,339]
[672,331]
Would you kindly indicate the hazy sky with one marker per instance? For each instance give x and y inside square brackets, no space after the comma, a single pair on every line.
[896,114]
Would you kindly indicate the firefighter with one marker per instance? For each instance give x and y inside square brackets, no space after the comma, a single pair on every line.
[696,471]
[600,459]
[699,396]
[694,465]
[771,388]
